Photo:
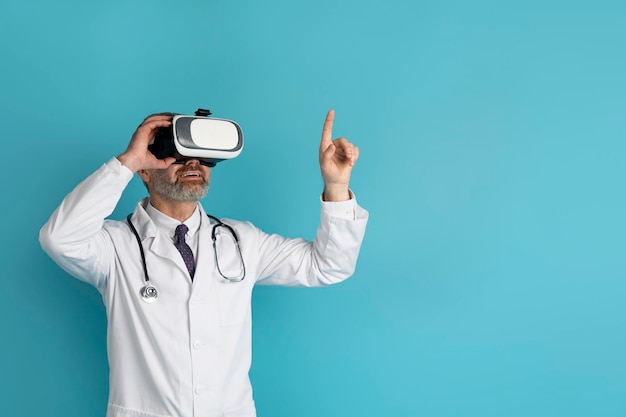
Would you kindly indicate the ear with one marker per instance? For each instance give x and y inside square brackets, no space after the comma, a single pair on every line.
[144,175]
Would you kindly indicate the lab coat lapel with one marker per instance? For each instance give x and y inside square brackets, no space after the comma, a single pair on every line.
[165,248]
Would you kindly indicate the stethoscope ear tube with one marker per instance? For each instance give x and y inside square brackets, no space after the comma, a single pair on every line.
[219,223]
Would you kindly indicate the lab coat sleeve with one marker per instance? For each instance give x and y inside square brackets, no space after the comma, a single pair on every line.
[329,259]
[74,236]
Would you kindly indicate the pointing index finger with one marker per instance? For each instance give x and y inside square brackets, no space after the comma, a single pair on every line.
[327,131]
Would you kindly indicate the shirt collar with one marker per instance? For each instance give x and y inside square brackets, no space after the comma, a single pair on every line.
[166,224]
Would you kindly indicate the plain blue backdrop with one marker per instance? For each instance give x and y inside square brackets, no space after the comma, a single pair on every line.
[492,137]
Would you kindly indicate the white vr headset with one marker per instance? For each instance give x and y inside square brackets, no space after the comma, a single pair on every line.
[200,137]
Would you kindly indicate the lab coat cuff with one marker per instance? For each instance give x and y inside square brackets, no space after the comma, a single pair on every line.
[341,209]
[115,167]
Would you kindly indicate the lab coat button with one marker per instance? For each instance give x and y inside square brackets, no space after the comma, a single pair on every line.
[198,344]
[200,390]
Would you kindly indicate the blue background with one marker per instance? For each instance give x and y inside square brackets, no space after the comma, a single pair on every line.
[491,280]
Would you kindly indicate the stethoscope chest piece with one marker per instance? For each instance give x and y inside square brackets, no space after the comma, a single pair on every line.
[149,294]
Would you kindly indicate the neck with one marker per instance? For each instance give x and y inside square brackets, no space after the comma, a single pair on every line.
[179,210]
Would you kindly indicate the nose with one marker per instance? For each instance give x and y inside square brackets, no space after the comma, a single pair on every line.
[183,160]
[192,162]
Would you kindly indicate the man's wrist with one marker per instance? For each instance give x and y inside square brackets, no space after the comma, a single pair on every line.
[128,162]
[339,192]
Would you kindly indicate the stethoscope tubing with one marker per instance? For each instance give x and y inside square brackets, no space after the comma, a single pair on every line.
[149,293]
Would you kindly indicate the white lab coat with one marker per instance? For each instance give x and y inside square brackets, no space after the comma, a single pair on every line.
[188,353]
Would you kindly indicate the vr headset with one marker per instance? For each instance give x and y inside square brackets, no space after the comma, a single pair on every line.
[200,137]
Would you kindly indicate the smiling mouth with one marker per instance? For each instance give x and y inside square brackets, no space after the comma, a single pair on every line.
[191,175]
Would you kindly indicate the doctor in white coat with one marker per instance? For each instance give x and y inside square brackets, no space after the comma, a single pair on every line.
[188,353]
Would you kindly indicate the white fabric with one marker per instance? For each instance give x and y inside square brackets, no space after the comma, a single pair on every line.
[167,226]
[188,353]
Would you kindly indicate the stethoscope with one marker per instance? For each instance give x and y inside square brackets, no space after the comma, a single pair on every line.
[149,292]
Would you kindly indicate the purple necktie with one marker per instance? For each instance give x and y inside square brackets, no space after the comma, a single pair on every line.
[184,249]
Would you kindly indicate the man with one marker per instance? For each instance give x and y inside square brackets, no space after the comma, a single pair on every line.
[188,352]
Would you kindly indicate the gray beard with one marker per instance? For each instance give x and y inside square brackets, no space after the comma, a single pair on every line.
[175,190]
